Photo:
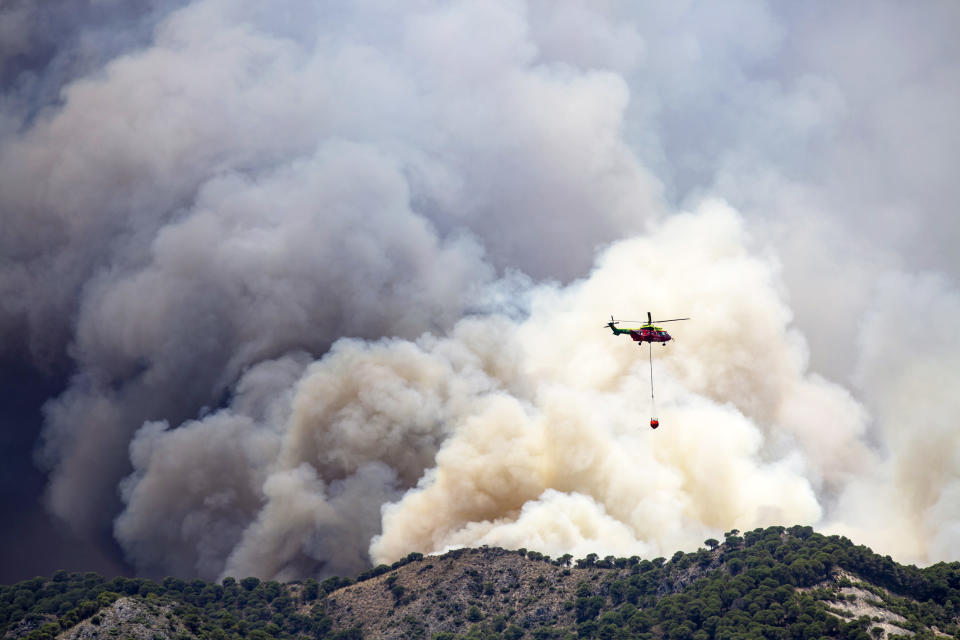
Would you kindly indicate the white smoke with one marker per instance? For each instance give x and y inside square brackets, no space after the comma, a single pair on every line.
[740,452]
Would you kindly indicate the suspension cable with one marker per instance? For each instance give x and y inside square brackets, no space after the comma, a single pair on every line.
[650,344]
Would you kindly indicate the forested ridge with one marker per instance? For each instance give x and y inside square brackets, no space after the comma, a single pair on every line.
[774,583]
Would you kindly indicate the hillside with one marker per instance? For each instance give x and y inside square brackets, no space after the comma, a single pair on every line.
[771,583]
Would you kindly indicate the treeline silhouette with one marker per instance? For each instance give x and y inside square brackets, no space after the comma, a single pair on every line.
[774,583]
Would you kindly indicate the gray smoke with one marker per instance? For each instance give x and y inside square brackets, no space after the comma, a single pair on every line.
[198,211]
[273,191]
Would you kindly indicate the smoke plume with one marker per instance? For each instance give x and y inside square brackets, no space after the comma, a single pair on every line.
[528,433]
[326,283]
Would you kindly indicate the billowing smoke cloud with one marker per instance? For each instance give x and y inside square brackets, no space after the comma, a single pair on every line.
[346,190]
[314,270]
[519,434]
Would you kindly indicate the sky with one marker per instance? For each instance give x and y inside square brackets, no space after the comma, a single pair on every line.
[292,290]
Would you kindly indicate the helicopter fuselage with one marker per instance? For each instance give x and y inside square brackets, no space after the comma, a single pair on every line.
[646,333]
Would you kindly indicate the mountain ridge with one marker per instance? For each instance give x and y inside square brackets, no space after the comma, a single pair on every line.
[777,583]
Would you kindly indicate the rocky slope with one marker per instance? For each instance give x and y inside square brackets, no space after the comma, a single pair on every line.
[128,618]
[775,583]
[450,593]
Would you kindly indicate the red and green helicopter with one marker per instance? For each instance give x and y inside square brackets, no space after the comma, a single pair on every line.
[647,332]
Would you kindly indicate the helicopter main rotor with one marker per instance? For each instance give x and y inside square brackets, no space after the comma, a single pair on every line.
[648,321]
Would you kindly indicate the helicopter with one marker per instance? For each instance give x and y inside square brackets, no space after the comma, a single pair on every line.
[649,333]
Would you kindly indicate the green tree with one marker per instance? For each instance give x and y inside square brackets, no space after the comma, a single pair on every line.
[513,632]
